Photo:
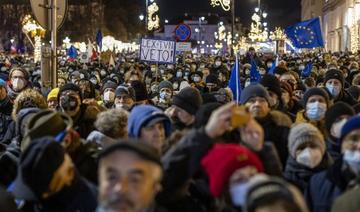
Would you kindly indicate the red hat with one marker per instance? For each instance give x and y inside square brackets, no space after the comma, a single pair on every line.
[223,160]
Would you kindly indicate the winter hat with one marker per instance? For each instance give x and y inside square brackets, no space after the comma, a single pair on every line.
[352,124]
[26,74]
[183,85]
[335,111]
[165,84]
[2,83]
[46,123]
[188,99]
[212,78]
[53,94]
[23,118]
[334,74]
[67,87]
[124,89]
[304,133]
[271,83]
[146,115]
[37,166]
[223,160]
[315,91]
[108,84]
[140,91]
[254,91]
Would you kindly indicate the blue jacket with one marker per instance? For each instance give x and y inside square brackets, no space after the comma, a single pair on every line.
[141,115]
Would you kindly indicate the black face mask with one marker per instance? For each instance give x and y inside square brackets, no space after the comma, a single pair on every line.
[69,103]
[177,124]
[86,95]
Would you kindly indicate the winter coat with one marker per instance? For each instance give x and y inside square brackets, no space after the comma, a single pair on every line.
[326,186]
[276,127]
[84,121]
[271,160]
[333,148]
[301,118]
[300,175]
[347,98]
[181,164]
[6,107]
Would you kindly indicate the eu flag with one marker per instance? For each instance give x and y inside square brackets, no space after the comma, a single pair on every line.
[99,39]
[254,73]
[307,70]
[234,81]
[72,52]
[306,34]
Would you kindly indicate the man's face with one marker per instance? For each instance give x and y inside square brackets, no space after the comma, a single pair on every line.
[18,80]
[154,135]
[124,100]
[289,79]
[351,141]
[52,103]
[70,102]
[127,182]
[258,106]
[183,116]
[61,82]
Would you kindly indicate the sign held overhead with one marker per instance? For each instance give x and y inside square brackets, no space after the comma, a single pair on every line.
[157,51]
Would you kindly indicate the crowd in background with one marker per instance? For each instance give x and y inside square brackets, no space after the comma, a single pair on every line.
[134,136]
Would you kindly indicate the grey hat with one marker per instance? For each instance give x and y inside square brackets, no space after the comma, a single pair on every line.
[303,133]
[165,84]
[255,91]
[123,89]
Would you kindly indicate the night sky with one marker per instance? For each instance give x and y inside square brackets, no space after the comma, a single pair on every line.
[281,12]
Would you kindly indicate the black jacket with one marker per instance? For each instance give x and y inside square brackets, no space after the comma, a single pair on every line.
[182,182]
[326,186]
[347,98]
[5,116]
[276,127]
[333,148]
[300,175]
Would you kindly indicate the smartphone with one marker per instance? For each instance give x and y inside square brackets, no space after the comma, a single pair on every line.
[240,116]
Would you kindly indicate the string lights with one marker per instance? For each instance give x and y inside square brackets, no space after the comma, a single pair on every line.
[30,27]
[225,4]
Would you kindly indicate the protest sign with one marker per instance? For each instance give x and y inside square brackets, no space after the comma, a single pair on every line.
[158,51]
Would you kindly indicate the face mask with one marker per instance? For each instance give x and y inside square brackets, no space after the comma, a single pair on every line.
[269,65]
[197,79]
[122,106]
[179,74]
[309,157]
[336,128]
[153,69]
[162,71]
[352,158]
[247,71]
[334,90]
[262,72]
[165,95]
[109,96]
[238,193]
[315,111]
[175,86]
[93,81]
[247,82]
[217,63]
[18,84]
[301,68]
[69,104]
[103,73]
[202,66]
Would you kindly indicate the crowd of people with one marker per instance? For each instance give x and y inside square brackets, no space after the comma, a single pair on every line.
[135,136]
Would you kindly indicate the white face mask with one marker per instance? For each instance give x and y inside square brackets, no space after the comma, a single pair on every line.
[238,193]
[310,157]
[336,128]
[18,84]
[315,111]
[269,65]
[352,158]
[122,106]
[217,63]
[197,79]
[334,90]
[109,96]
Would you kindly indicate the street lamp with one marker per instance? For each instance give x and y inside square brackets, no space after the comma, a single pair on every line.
[264,14]
[166,21]
[257,9]
[141,17]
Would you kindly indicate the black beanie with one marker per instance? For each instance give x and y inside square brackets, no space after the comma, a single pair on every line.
[315,91]
[108,84]
[140,91]
[212,79]
[334,74]
[203,114]
[67,87]
[188,99]
[335,111]
[271,83]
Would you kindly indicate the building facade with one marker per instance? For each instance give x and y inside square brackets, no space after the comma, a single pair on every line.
[341,25]
[311,9]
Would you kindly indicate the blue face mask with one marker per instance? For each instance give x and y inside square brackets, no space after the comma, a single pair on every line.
[315,111]
[334,90]
[238,193]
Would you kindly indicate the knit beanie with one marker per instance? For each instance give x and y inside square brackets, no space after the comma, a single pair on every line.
[67,87]
[352,124]
[271,83]
[108,84]
[315,91]
[165,84]
[334,74]
[304,133]
[256,90]
[223,160]
[188,99]
[140,91]
[335,111]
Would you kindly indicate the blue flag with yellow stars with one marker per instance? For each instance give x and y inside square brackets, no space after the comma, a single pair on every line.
[306,34]
[255,76]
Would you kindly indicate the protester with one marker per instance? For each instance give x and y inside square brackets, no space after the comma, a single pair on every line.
[18,81]
[108,94]
[52,99]
[124,97]
[6,107]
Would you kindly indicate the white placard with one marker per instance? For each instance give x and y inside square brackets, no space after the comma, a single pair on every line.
[183,47]
[158,51]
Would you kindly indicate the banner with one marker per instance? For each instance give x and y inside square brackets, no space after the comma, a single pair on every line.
[157,51]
